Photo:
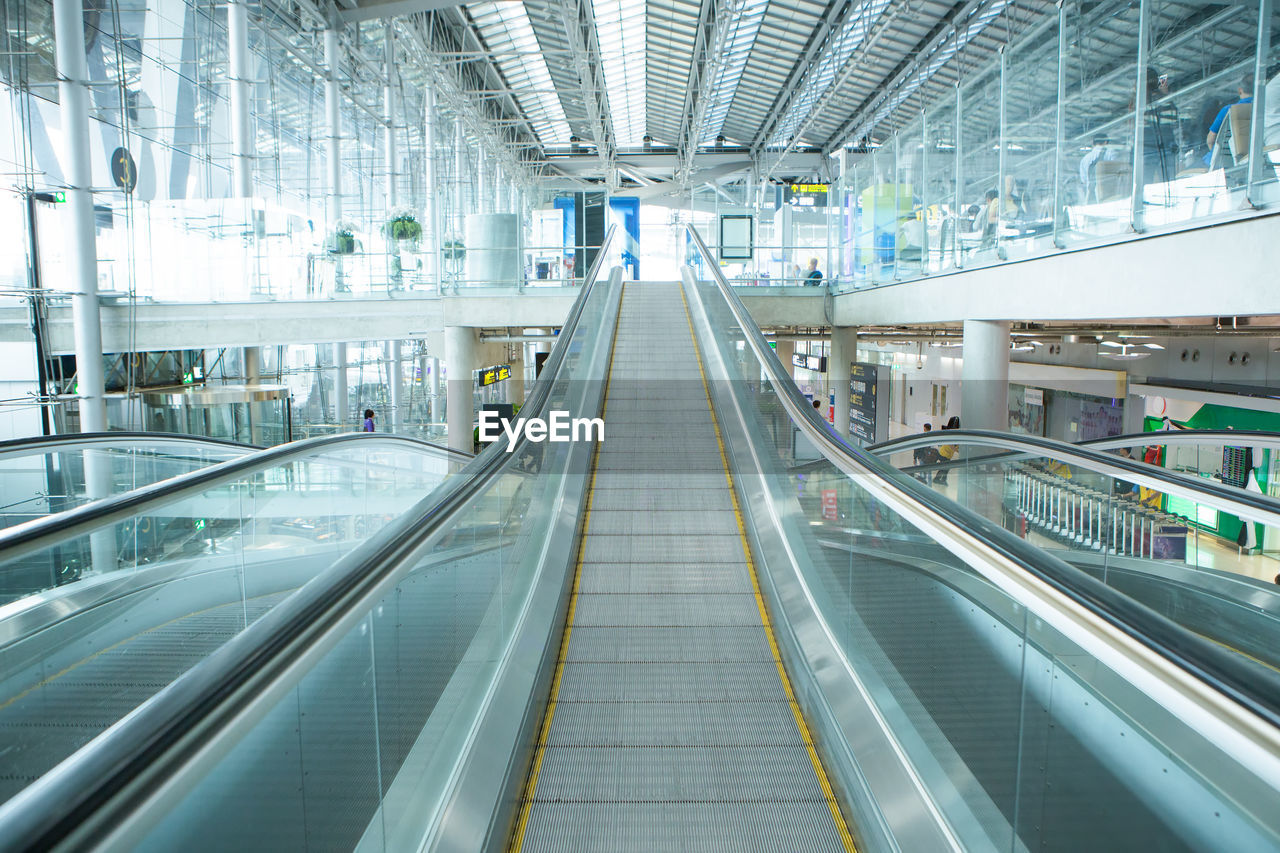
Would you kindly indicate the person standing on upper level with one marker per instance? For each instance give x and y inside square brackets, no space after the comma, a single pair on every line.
[368,420]
[815,275]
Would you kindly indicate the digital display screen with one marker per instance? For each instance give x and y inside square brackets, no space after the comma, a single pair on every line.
[816,363]
[490,375]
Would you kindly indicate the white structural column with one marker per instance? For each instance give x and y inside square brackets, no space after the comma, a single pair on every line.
[984,375]
[389,117]
[395,386]
[252,365]
[786,349]
[460,357]
[433,388]
[844,351]
[482,184]
[341,403]
[459,176]
[82,244]
[253,376]
[242,147]
[333,130]
[433,189]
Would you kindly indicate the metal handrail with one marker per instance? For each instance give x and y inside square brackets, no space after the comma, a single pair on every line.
[1251,505]
[30,536]
[1232,437]
[1218,687]
[123,765]
[55,442]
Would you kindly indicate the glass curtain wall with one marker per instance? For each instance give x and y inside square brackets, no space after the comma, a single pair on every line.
[1106,121]
[170,226]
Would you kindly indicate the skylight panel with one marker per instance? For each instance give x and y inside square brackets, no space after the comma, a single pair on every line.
[507,31]
[738,42]
[621,30]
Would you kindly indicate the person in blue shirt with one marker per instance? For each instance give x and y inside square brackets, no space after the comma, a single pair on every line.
[815,274]
[1245,93]
[368,420]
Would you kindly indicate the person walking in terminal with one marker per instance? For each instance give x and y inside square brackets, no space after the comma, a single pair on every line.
[368,420]
[815,275]
[1245,96]
[948,451]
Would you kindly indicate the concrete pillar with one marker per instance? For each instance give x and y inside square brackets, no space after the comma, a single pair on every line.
[395,389]
[984,375]
[252,365]
[433,388]
[1135,414]
[844,351]
[253,376]
[341,404]
[81,239]
[785,350]
[482,183]
[493,248]
[389,117]
[515,385]
[460,357]
[333,130]
[242,142]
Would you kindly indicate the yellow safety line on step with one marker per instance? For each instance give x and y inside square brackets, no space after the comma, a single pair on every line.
[540,749]
[841,826]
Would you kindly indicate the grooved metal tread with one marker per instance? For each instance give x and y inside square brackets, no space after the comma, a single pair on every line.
[45,723]
[671,728]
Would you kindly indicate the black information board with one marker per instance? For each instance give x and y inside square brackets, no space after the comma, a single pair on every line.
[1235,466]
[863,379]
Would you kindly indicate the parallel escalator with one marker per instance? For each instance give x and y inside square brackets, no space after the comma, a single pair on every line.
[691,634]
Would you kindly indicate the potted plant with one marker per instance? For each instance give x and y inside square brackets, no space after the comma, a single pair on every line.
[403,225]
[343,241]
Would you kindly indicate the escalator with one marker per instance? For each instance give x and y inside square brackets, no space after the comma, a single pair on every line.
[1130,524]
[671,720]
[55,473]
[691,634]
[106,603]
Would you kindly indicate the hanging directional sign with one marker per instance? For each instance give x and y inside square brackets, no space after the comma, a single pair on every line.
[490,375]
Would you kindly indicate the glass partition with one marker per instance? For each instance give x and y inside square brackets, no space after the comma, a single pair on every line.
[362,746]
[1180,556]
[37,481]
[1047,136]
[1012,725]
[95,624]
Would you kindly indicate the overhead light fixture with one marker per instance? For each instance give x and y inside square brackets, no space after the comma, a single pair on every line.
[1112,344]
[1154,346]
[1124,356]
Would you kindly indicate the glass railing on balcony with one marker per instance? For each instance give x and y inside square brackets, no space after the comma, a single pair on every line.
[1072,137]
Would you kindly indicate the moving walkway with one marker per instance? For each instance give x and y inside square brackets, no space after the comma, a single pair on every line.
[568,646]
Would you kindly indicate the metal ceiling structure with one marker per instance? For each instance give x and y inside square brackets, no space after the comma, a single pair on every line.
[559,84]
